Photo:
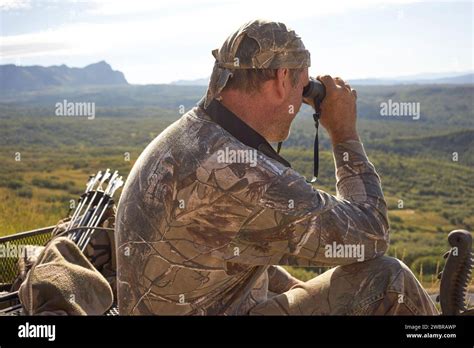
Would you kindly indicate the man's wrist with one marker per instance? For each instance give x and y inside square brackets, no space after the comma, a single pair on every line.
[342,138]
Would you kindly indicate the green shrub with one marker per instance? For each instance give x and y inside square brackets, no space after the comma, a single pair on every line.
[428,263]
[25,192]
[395,218]
[14,184]
[51,184]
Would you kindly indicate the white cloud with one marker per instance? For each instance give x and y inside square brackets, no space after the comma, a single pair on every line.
[6,5]
[295,8]
[120,7]
[168,40]
[203,22]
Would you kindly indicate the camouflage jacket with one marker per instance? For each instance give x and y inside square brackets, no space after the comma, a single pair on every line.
[209,206]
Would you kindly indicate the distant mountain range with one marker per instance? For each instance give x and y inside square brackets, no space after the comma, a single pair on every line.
[197,82]
[15,78]
[421,79]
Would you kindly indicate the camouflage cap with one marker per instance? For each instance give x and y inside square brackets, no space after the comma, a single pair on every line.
[279,47]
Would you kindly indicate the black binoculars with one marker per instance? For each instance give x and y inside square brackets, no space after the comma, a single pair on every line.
[314,90]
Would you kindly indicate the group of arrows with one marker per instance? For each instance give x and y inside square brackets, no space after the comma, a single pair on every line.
[94,202]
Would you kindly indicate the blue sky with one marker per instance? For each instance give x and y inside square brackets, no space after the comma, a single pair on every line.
[162,41]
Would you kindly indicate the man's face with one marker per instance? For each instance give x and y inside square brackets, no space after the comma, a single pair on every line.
[296,94]
[286,113]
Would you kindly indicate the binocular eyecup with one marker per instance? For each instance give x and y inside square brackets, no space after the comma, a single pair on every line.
[314,90]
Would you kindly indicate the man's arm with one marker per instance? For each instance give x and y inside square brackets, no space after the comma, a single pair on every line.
[293,223]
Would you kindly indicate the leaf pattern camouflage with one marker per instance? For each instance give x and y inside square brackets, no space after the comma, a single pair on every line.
[200,236]
[279,47]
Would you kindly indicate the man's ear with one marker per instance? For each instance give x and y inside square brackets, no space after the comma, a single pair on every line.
[282,83]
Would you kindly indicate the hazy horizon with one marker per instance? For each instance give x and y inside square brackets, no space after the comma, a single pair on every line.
[420,76]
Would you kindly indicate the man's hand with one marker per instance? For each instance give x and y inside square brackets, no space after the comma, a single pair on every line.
[338,110]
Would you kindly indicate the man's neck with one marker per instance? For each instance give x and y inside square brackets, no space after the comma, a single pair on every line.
[241,130]
[249,111]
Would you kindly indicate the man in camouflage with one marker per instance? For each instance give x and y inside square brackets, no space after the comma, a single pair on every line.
[210,212]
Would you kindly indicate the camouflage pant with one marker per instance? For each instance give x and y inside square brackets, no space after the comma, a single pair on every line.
[382,286]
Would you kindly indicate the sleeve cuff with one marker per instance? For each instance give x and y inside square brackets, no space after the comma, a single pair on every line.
[350,151]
